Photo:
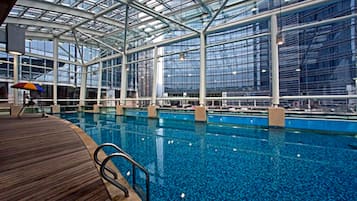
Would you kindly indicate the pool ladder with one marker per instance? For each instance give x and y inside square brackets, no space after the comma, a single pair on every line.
[113,180]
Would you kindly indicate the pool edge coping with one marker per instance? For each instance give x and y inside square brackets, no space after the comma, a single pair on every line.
[91,145]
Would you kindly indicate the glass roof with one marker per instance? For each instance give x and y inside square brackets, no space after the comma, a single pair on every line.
[103,22]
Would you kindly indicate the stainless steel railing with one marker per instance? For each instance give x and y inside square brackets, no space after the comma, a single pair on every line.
[113,180]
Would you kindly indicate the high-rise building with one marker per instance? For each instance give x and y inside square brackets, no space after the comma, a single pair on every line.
[314,60]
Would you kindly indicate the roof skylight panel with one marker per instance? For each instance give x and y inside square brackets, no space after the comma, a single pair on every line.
[131,21]
[164,4]
[76,19]
[34,12]
[148,29]
[97,26]
[159,26]
[44,30]
[51,15]
[119,11]
[55,31]
[96,9]
[93,2]
[29,15]
[147,18]
[149,3]
[85,5]
[97,6]
[59,20]
[115,15]
[16,11]
[64,18]
[65,4]
[109,2]
[82,37]
[192,13]
[32,28]
[45,18]
[141,27]
[141,15]
[70,22]
[76,3]
[153,23]
[68,33]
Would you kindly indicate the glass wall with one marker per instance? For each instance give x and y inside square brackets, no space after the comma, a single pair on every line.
[37,66]
[182,68]
[6,66]
[318,58]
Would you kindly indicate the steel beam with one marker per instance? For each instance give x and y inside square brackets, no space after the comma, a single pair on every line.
[47,6]
[214,16]
[173,13]
[103,12]
[53,25]
[101,42]
[204,7]
[39,23]
[155,14]
[78,47]
[46,36]
[126,28]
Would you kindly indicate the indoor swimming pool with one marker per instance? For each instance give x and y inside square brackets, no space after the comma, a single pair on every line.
[199,161]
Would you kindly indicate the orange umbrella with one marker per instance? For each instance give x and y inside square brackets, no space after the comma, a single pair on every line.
[28,86]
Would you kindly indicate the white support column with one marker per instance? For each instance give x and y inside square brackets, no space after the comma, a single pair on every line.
[99,89]
[55,70]
[275,60]
[154,82]
[276,114]
[124,80]
[82,93]
[200,111]
[202,69]
[15,108]
[124,71]
[16,78]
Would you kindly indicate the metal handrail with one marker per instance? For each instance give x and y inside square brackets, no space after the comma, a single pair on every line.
[96,159]
[134,163]
[126,156]
[110,179]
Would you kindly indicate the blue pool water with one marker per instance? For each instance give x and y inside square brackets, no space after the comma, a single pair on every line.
[197,161]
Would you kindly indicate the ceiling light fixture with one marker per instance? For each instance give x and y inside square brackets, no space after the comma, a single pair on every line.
[182,56]
[280,38]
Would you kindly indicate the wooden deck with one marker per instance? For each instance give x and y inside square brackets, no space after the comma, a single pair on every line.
[44,159]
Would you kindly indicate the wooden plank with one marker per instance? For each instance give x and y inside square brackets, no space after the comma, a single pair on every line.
[44,159]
